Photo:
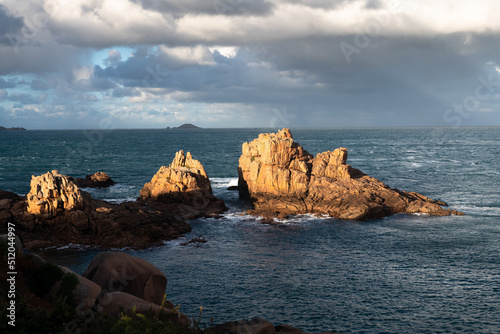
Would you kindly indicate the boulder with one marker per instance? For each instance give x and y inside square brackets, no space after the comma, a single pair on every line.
[280,177]
[96,180]
[182,188]
[112,303]
[85,293]
[57,212]
[116,271]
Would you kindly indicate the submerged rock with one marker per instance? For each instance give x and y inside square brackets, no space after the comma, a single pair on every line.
[57,212]
[182,188]
[280,177]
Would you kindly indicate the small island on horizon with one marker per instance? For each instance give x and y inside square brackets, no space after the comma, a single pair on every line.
[186,126]
[12,129]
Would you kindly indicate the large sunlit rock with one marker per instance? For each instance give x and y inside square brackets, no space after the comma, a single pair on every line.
[182,188]
[280,177]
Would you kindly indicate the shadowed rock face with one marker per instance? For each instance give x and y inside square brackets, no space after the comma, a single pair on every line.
[280,177]
[182,188]
[57,212]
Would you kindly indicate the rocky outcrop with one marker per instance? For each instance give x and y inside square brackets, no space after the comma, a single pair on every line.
[96,180]
[57,212]
[280,178]
[182,188]
[52,193]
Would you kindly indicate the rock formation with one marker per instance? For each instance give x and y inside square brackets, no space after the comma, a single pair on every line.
[53,193]
[57,212]
[281,178]
[115,271]
[182,188]
[96,180]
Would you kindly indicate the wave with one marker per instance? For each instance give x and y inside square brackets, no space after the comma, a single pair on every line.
[479,210]
[241,216]
[120,200]
[75,246]
[223,182]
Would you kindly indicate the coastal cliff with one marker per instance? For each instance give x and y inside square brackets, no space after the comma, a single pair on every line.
[280,177]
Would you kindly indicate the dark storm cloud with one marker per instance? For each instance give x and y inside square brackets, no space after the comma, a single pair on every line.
[209,7]
[10,25]
[324,62]
[373,4]
[324,4]
[93,83]
[39,58]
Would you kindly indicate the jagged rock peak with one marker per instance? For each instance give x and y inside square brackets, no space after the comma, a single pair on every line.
[184,185]
[53,192]
[182,160]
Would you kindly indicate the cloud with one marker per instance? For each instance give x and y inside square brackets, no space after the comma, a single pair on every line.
[9,25]
[114,57]
[320,62]
[39,85]
[7,83]
[210,7]
[22,98]
[126,91]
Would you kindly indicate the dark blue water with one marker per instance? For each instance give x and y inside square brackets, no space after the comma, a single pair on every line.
[405,273]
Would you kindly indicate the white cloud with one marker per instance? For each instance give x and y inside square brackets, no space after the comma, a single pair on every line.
[197,55]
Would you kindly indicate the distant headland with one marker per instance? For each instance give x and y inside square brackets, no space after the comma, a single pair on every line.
[11,129]
[187,126]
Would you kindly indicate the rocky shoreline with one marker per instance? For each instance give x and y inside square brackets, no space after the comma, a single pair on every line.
[56,212]
[276,174]
[117,293]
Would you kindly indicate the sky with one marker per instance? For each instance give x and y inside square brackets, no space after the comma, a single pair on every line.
[105,64]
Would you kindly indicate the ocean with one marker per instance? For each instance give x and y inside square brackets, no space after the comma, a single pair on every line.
[401,274]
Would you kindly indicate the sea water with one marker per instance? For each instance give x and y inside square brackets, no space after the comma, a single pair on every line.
[401,274]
